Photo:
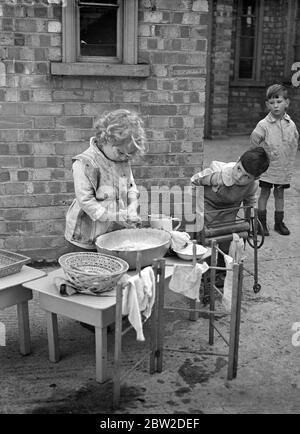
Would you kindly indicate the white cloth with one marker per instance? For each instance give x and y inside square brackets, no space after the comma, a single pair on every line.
[186,279]
[236,254]
[227,289]
[226,173]
[237,248]
[179,240]
[138,299]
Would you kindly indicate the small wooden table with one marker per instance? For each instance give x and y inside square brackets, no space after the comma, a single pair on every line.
[12,292]
[97,311]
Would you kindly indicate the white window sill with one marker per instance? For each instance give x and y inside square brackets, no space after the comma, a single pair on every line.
[100,69]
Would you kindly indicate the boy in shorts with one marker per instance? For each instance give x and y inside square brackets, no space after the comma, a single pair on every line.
[278,135]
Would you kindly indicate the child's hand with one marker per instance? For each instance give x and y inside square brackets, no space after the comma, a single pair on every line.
[134,220]
[120,217]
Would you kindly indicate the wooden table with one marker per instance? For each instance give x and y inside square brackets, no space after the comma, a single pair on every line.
[98,311]
[12,292]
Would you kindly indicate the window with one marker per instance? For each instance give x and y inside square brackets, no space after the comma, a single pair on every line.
[248,40]
[296,29]
[99,26]
[292,53]
[100,38]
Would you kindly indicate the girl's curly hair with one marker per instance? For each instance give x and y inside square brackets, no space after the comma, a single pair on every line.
[120,125]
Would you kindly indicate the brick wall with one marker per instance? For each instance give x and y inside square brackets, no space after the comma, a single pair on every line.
[247,103]
[45,120]
[235,109]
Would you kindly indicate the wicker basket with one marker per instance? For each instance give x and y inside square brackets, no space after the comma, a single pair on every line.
[95,272]
[11,263]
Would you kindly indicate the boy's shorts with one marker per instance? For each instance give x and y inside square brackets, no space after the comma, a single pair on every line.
[270,185]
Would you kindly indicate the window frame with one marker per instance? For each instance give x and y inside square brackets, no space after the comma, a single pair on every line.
[120,38]
[125,65]
[256,78]
[292,48]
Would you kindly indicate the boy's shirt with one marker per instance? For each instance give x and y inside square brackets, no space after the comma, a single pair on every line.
[224,171]
[279,137]
[226,195]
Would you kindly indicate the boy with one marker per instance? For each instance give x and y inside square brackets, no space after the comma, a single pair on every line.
[227,185]
[278,135]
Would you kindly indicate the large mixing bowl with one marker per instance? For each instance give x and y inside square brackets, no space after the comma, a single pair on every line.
[125,243]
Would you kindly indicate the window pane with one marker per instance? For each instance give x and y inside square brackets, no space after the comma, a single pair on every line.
[248,7]
[247,47]
[247,26]
[245,68]
[98,28]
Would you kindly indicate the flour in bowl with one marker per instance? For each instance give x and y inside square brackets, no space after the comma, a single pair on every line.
[133,246]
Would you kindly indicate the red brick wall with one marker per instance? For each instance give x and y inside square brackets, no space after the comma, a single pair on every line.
[45,120]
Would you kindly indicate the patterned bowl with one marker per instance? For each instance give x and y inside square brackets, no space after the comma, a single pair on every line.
[94,271]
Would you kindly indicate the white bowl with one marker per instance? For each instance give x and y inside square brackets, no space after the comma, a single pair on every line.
[187,252]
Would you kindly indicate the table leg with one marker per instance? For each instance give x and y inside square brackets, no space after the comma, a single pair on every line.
[52,331]
[101,353]
[24,330]
[118,349]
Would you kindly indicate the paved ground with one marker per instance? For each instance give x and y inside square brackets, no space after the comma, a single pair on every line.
[268,378]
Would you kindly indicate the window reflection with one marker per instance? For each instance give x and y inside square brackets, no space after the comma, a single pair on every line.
[98,28]
[247,38]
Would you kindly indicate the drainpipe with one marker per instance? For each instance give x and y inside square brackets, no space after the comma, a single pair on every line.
[207,116]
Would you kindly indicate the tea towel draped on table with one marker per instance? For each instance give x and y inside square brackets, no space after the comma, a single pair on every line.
[138,296]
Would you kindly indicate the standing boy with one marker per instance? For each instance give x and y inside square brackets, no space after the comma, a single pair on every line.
[278,134]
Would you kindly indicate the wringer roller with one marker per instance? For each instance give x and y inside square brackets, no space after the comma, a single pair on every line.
[248,228]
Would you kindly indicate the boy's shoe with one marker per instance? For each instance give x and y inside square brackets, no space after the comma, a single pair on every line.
[279,226]
[281,229]
[262,217]
[263,230]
